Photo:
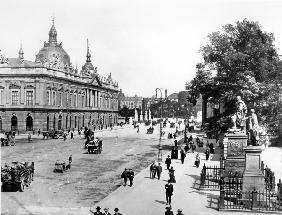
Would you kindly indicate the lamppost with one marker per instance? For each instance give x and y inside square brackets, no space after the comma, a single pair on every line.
[160,140]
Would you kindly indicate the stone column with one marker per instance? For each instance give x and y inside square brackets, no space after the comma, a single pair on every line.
[86,98]
[99,99]
[96,98]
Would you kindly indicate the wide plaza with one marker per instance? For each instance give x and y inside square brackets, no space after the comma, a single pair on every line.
[91,177]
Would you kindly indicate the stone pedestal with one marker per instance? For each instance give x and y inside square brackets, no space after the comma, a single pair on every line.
[253,178]
[234,144]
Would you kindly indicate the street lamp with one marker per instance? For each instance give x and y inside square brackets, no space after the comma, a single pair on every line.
[160,140]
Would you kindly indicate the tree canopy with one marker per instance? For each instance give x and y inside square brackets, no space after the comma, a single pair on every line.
[241,59]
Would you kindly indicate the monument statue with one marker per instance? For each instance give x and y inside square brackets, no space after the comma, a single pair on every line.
[253,128]
[239,118]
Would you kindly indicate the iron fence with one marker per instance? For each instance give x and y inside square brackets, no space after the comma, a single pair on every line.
[249,201]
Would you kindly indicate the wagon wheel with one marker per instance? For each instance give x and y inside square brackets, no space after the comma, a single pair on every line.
[21,185]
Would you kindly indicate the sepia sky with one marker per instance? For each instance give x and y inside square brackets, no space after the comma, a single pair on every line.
[144,43]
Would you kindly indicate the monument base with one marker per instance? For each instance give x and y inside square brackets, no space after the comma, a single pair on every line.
[253,181]
[234,167]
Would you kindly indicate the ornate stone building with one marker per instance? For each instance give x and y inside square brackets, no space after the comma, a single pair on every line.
[51,94]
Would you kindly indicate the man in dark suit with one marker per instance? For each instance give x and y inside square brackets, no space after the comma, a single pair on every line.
[98,212]
[168,192]
[159,171]
[124,175]
[168,162]
[130,175]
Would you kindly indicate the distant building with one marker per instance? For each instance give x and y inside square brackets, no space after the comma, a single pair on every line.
[131,102]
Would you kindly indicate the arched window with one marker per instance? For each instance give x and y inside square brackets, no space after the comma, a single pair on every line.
[66,122]
[70,121]
[75,121]
[83,121]
[54,122]
[60,123]
[47,123]
[29,123]
[14,123]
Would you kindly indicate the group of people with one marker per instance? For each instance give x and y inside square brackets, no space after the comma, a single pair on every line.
[106,211]
[128,174]
[155,170]
[170,212]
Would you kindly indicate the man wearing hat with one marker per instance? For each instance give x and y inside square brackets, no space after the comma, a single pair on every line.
[106,211]
[168,211]
[179,212]
[124,175]
[116,212]
[168,192]
[130,177]
[98,212]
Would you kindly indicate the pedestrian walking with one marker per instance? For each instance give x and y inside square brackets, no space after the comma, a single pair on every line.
[159,171]
[186,148]
[106,211]
[65,136]
[182,155]
[124,176]
[116,212]
[197,161]
[138,129]
[130,175]
[168,211]
[70,160]
[152,170]
[179,212]
[171,175]
[38,132]
[71,135]
[193,146]
[168,192]
[207,152]
[97,212]
[168,162]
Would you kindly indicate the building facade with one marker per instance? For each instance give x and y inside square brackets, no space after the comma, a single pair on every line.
[131,102]
[50,93]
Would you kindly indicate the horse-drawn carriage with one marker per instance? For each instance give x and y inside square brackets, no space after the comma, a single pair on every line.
[54,134]
[150,130]
[94,146]
[60,166]
[17,175]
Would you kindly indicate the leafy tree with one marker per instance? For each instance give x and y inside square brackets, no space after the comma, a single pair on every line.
[241,59]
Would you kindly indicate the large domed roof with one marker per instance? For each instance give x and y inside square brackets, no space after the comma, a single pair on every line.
[52,51]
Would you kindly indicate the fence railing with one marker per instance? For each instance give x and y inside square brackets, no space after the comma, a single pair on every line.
[251,200]
[210,177]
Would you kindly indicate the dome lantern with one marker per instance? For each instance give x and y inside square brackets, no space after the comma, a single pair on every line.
[53,33]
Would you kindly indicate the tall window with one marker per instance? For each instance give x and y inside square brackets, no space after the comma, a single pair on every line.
[15,97]
[29,97]
[70,102]
[82,101]
[54,98]
[75,100]
[48,97]
[61,99]
[1,97]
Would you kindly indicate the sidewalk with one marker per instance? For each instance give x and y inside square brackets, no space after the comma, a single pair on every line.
[147,196]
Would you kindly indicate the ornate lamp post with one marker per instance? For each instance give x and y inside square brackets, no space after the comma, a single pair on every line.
[160,140]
